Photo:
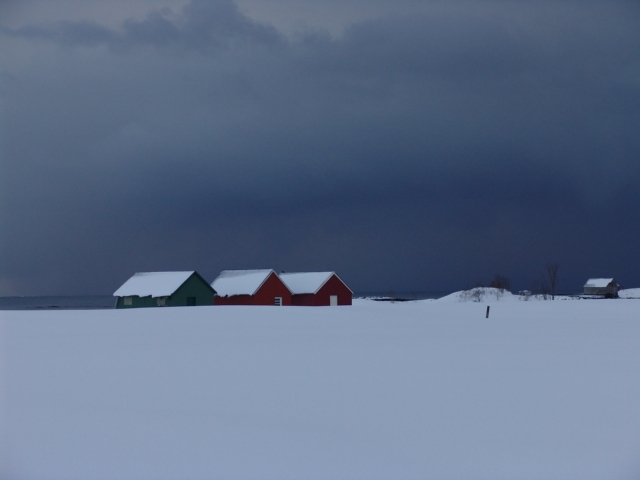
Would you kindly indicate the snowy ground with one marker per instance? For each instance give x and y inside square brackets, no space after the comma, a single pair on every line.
[630,293]
[412,390]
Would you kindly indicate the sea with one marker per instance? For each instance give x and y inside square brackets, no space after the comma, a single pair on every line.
[100,302]
[80,302]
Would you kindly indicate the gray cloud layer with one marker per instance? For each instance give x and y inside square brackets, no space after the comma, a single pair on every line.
[410,153]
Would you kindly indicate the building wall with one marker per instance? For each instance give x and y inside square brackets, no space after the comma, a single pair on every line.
[333,286]
[611,289]
[304,300]
[194,286]
[266,294]
[233,300]
[137,302]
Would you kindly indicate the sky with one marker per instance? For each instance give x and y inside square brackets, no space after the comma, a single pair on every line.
[410,146]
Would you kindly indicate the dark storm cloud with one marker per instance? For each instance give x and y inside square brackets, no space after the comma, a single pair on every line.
[201,26]
[413,153]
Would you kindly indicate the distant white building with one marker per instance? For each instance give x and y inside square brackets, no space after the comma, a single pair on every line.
[601,286]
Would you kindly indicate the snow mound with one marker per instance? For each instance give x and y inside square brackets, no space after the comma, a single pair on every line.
[305,282]
[480,294]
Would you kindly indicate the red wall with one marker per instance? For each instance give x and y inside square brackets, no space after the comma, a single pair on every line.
[271,288]
[334,286]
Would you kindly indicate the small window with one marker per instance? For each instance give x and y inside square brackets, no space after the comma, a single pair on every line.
[191,301]
[128,301]
[278,301]
[162,302]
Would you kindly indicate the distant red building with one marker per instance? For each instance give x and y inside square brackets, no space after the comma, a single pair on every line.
[317,289]
[250,287]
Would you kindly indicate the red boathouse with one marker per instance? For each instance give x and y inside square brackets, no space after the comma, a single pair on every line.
[250,287]
[317,289]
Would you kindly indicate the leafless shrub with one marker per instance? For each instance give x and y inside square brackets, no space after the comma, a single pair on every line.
[525,295]
[474,295]
[539,289]
[478,294]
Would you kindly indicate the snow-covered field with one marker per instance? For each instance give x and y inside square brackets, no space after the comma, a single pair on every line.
[630,293]
[420,390]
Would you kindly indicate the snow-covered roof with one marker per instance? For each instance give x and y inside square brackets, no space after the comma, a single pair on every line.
[598,282]
[306,282]
[239,282]
[156,284]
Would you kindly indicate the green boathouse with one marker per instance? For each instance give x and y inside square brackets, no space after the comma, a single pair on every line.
[164,289]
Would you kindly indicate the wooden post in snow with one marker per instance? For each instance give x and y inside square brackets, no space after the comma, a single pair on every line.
[487,312]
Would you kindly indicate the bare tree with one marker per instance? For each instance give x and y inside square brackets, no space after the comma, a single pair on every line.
[552,278]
